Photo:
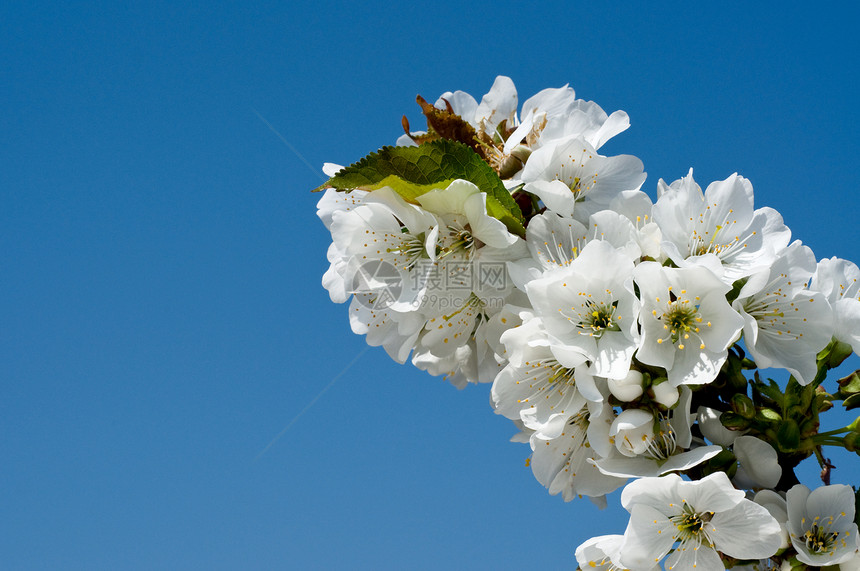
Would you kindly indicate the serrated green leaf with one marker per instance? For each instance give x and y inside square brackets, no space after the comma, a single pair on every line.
[413,171]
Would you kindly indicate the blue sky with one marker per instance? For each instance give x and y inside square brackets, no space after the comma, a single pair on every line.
[162,319]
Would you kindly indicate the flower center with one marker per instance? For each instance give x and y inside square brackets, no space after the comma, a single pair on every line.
[691,523]
[461,242]
[597,318]
[681,320]
[576,186]
[663,444]
[561,376]
[411,249]
[821,540]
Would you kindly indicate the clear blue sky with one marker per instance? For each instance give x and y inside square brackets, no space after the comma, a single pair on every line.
[161,314]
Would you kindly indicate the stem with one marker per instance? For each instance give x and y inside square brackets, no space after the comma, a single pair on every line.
[842,430]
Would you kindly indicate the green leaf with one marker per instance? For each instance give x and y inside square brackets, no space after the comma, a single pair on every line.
[413,171]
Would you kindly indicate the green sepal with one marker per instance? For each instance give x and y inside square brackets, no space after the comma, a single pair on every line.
[737,286]
[849,386]
[852,402]
[413,171]
[851,442]
[833,355]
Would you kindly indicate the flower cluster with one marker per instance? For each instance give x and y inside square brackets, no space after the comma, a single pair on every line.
[622,336]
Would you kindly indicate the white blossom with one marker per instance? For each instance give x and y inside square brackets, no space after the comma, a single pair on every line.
[590,310]
[571,173]
[554,241]
[785,324]
[534,387]
[821,524]
[687,325]
[718,227]
[839,281]
[666,442]
[562,453]
[602,553]
[704,518]
[555,113]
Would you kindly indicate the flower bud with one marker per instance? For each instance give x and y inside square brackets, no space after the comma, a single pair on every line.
[627,389]
[850,384]
[509,167]
[734,421]
[743,405]
[768,415]
[521,152]
[665,394]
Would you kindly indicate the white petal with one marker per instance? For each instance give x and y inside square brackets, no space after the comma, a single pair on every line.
[648,538]
[759,461]
[747,531]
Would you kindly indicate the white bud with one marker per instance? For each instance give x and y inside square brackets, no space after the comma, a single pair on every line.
[665,394]
[627,389]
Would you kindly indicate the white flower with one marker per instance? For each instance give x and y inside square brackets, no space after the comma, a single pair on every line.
[554,241]
[590,310]
[377,246]
[687,325]
[821,524]
[534,387]
[396,332]
[601,554]
[563,451]
[785,324]
[497,106]
[336,201]
[571,172]
[703,517]
[662,442]
[555,113]
[718,224]
[839,281]
[465,286]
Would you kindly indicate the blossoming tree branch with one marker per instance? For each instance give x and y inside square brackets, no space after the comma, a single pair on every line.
[623,337]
